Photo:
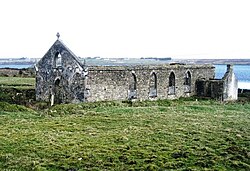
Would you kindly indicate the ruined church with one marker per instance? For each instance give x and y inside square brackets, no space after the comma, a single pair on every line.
[61,77]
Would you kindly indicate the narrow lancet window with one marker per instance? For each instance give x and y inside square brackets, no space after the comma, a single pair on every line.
[153,85]
[132,87]
[187,82]
[171,84]
[58,60]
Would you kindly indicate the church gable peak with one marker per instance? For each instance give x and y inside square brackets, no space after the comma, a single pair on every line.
[58,53]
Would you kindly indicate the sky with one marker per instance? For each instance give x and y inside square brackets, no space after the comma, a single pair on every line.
[127,28]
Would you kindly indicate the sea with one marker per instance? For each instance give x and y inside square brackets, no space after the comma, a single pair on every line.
[19,66]
[242,73]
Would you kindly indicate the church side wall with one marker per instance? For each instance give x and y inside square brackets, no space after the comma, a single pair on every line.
[107,84]
[112,83]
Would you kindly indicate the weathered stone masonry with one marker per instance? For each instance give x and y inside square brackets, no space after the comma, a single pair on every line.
[151,82]
[225,89]
[62,78]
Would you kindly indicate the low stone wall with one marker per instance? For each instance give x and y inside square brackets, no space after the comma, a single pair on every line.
[17,96]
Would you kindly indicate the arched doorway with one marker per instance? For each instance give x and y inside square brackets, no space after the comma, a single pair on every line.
[57,92]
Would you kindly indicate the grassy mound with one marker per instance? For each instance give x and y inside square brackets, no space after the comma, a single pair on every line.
[6,107]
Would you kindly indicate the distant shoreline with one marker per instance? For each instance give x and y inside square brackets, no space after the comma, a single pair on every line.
[215,61]
[142,60]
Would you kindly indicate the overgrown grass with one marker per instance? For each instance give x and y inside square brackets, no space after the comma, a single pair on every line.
[17,82]
[157,135]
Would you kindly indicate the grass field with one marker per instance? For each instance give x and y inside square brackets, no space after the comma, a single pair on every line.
[17,82]
[158,135]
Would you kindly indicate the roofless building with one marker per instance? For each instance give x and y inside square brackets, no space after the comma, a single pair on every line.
[62,78]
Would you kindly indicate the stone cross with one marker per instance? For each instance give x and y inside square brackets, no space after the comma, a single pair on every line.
[57,35]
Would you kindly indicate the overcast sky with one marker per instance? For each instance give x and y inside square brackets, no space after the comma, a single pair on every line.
[127,28]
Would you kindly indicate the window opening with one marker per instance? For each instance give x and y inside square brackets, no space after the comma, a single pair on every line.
[132,87]
[57,60]
[187,82]
[153,85]
[171,84]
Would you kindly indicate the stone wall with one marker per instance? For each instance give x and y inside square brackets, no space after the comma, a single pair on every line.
[225,89]
[210,88]
[113,83]
[230,84]
[62,78]
[59,76]
[17,96]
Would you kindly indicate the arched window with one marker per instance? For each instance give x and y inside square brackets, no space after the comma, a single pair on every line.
[132,87]
[171,84]
[133,82]
[57,82]
[187,82]
[57,60]
[153,85]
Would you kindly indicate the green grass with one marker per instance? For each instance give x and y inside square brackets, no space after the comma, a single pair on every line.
[17,82]
[158,135]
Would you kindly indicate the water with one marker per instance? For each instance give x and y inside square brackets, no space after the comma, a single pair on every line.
[20,66]
[242,72]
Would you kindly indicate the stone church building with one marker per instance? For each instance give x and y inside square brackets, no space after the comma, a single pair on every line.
[62,78]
